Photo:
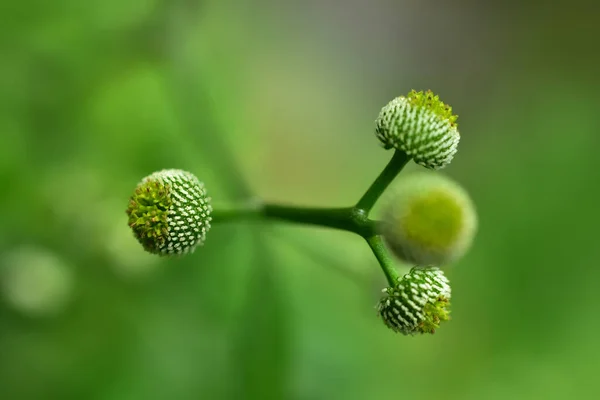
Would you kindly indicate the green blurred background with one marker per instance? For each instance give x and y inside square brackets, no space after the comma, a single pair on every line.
[277,99]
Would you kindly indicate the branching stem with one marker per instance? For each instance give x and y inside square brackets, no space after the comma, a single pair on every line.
[385,261]
[348,219]
[391,170]
[352,219]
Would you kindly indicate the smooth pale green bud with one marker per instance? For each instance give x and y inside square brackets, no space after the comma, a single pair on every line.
[418,303]
[420,125]
[429,220]
[170,212]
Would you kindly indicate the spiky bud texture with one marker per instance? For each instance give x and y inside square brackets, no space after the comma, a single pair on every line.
[429,220]
[170,212]
[418,303]
[420,125]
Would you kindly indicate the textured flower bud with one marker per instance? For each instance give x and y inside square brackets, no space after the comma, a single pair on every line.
[418,303]
[429,220]
[420,125]
[170,212]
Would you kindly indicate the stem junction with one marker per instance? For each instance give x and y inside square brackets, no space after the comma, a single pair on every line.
[351,219]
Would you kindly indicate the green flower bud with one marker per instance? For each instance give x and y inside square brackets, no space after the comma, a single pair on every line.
[418,303]
[420,125]
[429,220]
[170,212]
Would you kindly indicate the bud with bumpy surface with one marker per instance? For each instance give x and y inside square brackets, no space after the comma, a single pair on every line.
[418,303]
[421,126]
[429,220]
[169,212]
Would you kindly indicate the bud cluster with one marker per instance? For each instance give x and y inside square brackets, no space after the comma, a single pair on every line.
[428,222]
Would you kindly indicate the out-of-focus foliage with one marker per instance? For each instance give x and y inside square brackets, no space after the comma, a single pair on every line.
[278,99]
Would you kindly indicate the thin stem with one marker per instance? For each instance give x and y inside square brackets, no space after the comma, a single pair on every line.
[347,219]
[385,261]
[391,170]
[337,218]
[246,212]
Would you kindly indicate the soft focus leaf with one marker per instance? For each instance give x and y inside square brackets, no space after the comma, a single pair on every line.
[261,353]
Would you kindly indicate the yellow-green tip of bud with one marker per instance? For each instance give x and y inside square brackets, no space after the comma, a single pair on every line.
[429,220]
[169,212]
[420,125]
[418,303]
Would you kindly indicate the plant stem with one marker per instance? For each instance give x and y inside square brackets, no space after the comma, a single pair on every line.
[337,218]
[246,212]
[352,219]
[348,219]
[391,170]
[385,261]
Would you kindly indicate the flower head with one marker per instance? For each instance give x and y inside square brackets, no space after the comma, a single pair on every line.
[169,212]
[420,125]
[418,303]
[429,220]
